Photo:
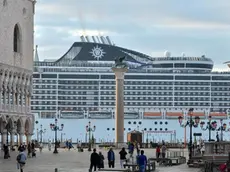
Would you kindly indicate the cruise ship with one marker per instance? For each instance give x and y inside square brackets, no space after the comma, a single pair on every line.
[79,88]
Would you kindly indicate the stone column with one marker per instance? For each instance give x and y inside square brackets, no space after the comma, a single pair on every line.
[21,138]
[28,138]
[4,96]
[8,97]
[0,98]
[4,135]
[12,135]
[13,100]
[119,117]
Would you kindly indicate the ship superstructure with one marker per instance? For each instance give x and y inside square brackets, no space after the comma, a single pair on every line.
[81,86]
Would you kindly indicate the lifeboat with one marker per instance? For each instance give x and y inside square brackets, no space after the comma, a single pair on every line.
[173,115]
[198,114]
[153,115]
[218,115]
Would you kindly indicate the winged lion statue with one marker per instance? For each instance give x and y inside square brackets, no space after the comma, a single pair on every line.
[119,62]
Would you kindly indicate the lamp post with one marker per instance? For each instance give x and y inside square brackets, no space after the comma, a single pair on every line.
[54,127]
[89,129]
[41,133]
[212,126]
[191,124]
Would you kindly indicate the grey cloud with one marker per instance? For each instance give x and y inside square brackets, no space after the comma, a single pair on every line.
[138,25]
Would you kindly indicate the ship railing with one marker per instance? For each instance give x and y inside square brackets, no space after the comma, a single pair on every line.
[101,117]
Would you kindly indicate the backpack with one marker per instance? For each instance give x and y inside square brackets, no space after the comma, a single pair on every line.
[19,157]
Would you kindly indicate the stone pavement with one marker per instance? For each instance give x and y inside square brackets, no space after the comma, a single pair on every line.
[71,161]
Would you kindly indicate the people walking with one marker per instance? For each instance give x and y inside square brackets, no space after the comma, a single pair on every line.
[49,145]
[142,161]
[111,158]
[21,160]
[94,160]
[6,151]
[158,152]
[163,150]
[123,154]
[101,162]
[131,149]
[21,147]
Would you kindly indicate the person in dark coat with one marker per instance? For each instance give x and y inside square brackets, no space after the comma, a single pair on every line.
[6,151]
[94,160]
[21,148]
[111,158]
[101,163]
[123,154]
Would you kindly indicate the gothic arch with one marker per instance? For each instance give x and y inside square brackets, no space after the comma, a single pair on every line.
[17,40]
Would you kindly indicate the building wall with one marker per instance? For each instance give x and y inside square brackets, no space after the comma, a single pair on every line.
[16,67]
[14,12]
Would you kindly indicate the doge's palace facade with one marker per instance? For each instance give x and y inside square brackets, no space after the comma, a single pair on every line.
[16,65]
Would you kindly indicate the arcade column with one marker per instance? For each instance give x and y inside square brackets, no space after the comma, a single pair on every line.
[119,117]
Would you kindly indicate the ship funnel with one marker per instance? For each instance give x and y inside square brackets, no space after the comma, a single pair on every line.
[110,43]
[87,38]
[82,38]
[102,40]
[98,39]
[94,40]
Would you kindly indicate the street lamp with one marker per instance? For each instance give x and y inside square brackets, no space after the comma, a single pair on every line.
[54,127]
[89,129]
[212,126]
[41,133]
[191,124]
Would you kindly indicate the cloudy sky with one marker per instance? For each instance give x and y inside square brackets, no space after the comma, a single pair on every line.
[196,27]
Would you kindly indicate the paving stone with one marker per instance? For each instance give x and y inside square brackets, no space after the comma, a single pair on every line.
[71,161]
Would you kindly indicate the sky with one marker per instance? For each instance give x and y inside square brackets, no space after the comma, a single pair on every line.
[196,27]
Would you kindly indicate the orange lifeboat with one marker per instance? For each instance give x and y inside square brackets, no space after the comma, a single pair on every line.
[198,114]
[173,115]
[154,115]
[218,115]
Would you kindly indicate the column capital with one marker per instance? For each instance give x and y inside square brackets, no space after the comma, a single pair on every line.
[4,131]
[119,72]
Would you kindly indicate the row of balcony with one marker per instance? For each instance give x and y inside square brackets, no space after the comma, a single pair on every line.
[15,109]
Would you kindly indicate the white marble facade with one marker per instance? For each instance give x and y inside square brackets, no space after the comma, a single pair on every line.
[16,67]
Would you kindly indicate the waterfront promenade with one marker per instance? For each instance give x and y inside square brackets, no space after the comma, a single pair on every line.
[72,161]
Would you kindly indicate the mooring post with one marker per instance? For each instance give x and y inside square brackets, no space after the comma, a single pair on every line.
[55,170]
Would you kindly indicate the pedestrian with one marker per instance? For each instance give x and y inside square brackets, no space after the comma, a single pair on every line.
[21,147]
[94,160]
[101,162]
[158,152]
[6,151]
[163,151]
[142,162]
[131,149]
[123,154]
[111,158]
[21,160]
